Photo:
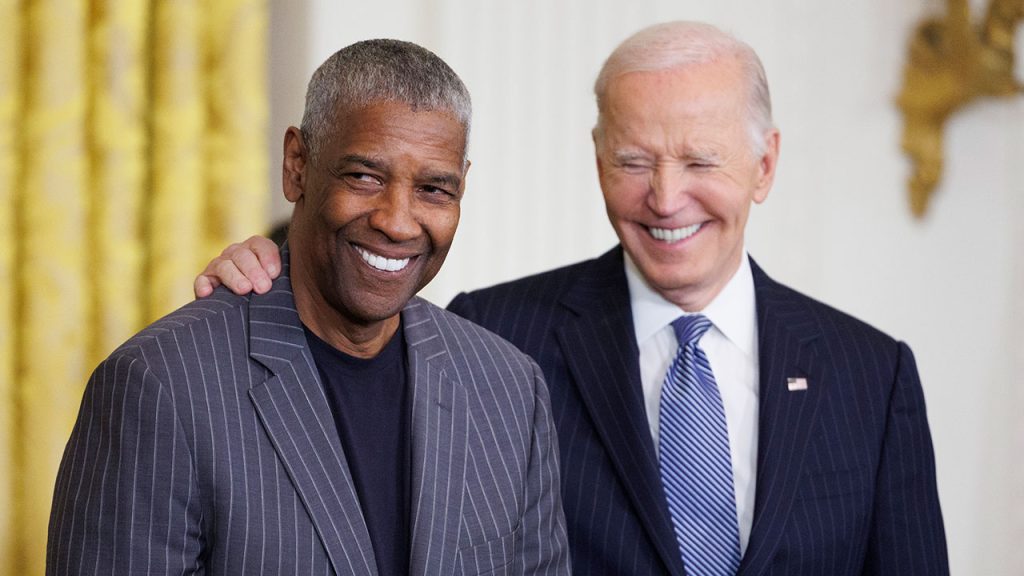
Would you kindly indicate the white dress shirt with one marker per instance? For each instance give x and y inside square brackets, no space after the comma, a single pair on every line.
[731,347]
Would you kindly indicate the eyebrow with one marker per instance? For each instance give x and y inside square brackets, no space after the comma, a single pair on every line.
[621,156]
[433,178]
[703,155]
[442,179]
[363,161]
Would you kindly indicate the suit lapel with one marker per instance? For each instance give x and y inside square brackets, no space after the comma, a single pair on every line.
[786,334]
[440,430]
[293,409]
[601,353]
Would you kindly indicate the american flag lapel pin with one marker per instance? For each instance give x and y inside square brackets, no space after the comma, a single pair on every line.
[796,384]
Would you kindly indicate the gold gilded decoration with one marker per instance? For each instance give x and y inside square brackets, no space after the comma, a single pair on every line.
[952,63]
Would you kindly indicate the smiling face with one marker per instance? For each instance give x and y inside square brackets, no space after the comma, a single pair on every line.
[374,217]
[679,173]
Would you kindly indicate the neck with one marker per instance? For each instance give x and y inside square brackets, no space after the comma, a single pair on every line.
[359,338]
[695,301]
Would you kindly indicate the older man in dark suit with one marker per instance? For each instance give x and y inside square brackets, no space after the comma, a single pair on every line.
[335,424]
[711,420]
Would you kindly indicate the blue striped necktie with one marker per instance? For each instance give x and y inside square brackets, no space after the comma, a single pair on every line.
[693,454]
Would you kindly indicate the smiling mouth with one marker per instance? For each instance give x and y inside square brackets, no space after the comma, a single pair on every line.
[674,234]
[382,263]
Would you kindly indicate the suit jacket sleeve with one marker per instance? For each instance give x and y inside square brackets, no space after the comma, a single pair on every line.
[126,500]
[907,536]
[542,534]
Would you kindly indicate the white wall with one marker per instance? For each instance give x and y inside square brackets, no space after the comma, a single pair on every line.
[836,225]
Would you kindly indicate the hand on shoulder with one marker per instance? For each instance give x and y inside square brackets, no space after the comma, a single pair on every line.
[242,267]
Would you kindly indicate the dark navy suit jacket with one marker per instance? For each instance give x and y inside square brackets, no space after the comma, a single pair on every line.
[845,468]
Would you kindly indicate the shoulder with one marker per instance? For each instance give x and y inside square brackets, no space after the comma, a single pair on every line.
[467,342]
[540,290]
[151,369]
[221,302]
[179,329]
[839,333]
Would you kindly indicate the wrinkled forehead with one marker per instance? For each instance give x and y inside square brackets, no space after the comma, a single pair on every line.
[392,135]
[722,75]
[690,96]
[389,118]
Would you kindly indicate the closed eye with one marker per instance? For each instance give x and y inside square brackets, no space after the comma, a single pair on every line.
[703,160]
[631,162]
[634,167]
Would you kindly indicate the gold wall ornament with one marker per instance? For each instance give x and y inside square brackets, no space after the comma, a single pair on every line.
[951,64]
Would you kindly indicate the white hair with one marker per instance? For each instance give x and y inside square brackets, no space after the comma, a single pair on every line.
[674,45]
[380,71]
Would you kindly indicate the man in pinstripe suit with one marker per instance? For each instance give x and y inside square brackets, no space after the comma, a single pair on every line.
[335,424]
[829,444]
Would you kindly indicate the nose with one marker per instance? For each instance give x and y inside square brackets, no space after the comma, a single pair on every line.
[669,190]
[394,214]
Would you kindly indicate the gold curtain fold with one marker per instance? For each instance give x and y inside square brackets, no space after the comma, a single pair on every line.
[237,179]
[51,275]
[175,227]
[10,109]
[131,147]
[118,138]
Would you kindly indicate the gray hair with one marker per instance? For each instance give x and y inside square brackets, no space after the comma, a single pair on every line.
[674,45]
[380,71]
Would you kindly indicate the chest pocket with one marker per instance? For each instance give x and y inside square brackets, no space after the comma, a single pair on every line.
[491,558]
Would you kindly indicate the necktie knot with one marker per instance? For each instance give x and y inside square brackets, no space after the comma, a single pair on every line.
[690,328]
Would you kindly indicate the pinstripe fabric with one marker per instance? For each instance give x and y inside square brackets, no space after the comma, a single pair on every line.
[845,483]
[205,444]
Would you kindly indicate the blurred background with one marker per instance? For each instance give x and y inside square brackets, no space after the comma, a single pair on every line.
[138,138]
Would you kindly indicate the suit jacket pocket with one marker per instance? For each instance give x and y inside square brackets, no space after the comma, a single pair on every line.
[491,558]
[834,483]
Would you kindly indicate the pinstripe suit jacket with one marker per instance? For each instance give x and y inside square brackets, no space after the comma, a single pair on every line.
[205,445]
[845,469]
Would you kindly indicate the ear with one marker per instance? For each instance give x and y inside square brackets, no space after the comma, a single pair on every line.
[293,168]
[766,166]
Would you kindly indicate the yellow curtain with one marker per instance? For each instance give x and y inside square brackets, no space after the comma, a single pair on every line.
[132,144]
[10,107]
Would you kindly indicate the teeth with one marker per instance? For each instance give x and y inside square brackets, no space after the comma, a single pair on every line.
[674,235]
[381,263]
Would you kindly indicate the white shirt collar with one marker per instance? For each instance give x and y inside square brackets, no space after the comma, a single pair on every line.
[733,312]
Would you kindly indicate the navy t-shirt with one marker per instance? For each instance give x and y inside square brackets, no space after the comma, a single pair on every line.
[369,401]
